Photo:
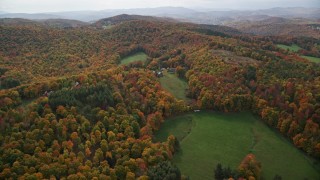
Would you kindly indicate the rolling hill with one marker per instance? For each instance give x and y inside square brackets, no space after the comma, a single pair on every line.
[276,26]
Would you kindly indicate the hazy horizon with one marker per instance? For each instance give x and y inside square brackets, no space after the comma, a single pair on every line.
[42,6]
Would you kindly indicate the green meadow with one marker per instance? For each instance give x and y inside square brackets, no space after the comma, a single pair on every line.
[312,59]
[293,47]
[176,86]
[134,58]
[208,138]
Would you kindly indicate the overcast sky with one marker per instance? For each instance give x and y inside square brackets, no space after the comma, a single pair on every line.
[31,6]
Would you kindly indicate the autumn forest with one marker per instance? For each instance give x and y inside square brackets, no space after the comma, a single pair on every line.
[71,109]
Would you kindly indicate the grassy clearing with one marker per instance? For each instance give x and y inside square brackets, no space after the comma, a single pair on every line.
[134,58]
[108,27]
[312,59]
[280,156]
[176,86]
[180,127]
[293,47]
[228,138]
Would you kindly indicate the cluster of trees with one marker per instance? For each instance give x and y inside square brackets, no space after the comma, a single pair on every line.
[249,169]
[221,173]
[91,125]
[216,84]
[6,83]
[164,170]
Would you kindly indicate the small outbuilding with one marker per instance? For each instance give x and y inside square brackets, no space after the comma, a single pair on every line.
[172,70]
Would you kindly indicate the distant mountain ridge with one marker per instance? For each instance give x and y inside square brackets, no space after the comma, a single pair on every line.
[261,25]
[125,17]
[107,23]
[55,23]
[183,14]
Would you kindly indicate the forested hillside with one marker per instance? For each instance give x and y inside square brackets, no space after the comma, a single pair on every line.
[68,109]
[276,26]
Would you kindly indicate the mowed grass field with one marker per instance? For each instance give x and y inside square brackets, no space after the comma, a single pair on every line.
[134,58]
[312,59]
[176,86]
[180,127]
[293,47]
[213,137]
